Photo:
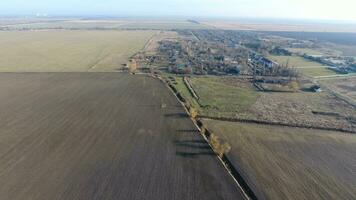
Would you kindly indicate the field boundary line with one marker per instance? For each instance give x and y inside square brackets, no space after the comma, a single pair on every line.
[251,121]
[227,167]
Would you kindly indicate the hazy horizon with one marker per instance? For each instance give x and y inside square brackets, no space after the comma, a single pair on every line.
[319,10]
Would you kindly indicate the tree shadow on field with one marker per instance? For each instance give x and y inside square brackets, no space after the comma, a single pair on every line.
[192,148]
[187,131]
[193,155]
[176,115]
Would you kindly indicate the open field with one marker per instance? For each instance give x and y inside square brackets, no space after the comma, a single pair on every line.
[101,136]
[150,24]
[68,51]
[317,71]
[305,51]
[236,99]
[164,25]
[304,66]
[68,24]
[294,61]
[345,86]
[291,163]
[222,97]
[280,26]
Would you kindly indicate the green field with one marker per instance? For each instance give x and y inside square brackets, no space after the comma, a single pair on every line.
[294,61]
[291,163]
[223,97]
[68,51]
[305,51]
[309,68]
[317,71]
[218,96]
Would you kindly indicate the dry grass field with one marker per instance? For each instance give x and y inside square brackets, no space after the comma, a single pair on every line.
[68,51]
[101,136]
[291,163]
[345,86]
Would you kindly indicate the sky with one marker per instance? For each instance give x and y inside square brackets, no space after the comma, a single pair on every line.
[286,9]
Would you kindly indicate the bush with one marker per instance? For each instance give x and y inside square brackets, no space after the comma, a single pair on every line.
[193,112]
[294,86]
[219,149]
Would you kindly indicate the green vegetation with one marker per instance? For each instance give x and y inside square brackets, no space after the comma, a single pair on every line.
[291,163]
[221,97]
[294,61]
[317,71]
[178,83]
[67,51]
[305,51]
[309,68]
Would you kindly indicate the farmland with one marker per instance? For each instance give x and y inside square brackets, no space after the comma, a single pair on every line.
[291,163]
[103,24]
[68,51]
[101,136]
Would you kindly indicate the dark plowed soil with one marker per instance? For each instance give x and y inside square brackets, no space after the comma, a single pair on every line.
[101,136]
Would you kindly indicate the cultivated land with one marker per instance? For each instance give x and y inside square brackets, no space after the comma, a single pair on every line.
[69,51]
[101,136]
[105,24]
[291,163]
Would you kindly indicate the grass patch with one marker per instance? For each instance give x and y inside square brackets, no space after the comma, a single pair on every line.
[294,61]
[317,71]
[307,67]
[305,51]
[219,98]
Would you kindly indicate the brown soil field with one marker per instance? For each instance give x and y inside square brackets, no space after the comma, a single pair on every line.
[101,136]
[291,163]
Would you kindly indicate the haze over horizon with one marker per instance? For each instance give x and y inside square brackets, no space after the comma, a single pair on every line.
[275,9]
